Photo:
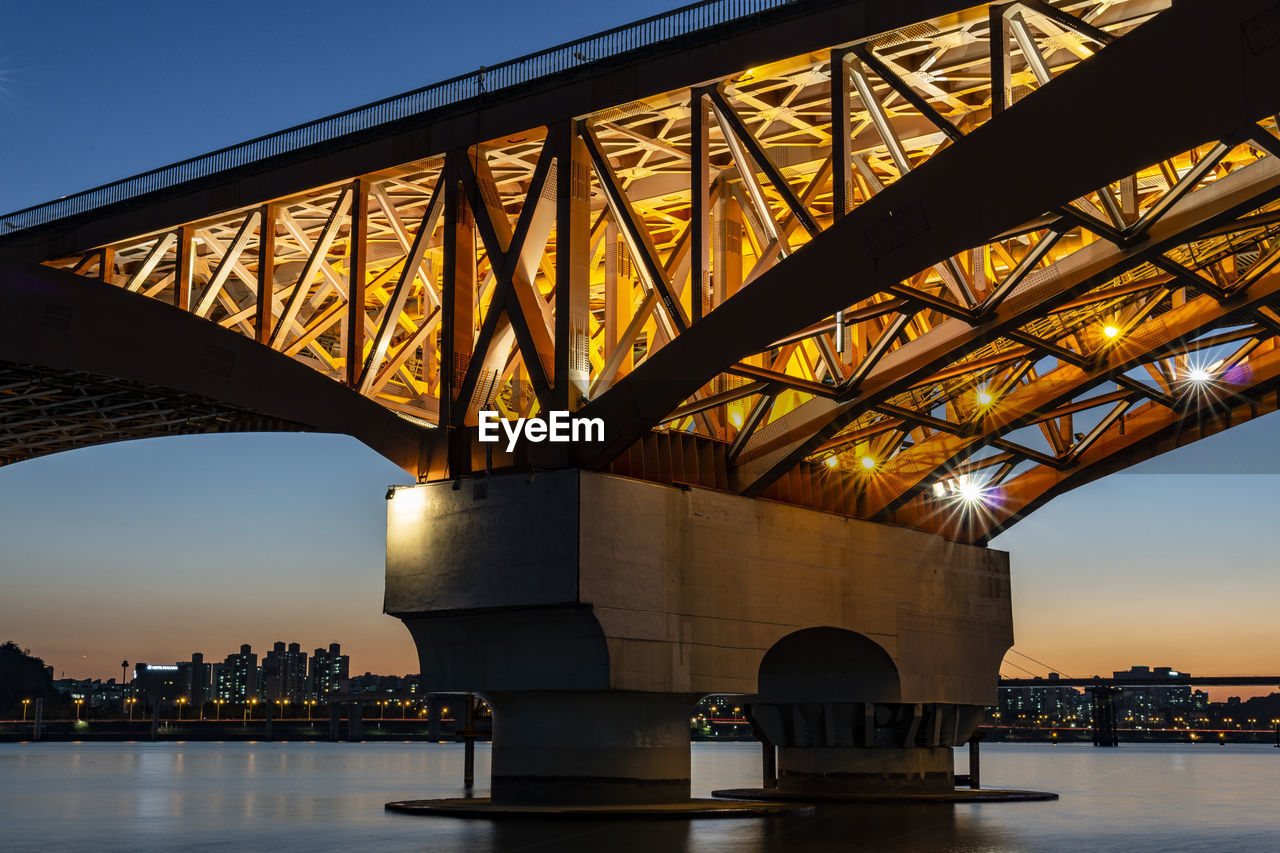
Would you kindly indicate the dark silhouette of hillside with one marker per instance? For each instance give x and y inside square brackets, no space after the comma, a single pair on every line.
[23,676]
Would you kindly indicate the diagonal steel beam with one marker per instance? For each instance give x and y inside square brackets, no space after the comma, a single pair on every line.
[412,269]
[150,262]
[635,234]
[513,312]
[1068,20]
[229,258]
[911,96]
[318,253]
[733,123]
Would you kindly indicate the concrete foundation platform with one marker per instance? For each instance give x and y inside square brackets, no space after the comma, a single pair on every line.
[959,795]
[483,807]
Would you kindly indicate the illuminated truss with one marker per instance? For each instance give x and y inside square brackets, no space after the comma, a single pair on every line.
[541,270]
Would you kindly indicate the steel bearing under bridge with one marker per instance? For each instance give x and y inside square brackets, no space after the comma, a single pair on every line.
[853,286]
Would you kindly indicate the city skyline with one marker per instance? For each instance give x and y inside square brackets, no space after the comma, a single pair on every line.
[123,551]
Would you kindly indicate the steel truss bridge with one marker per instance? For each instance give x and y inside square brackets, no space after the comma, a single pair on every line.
[927,263]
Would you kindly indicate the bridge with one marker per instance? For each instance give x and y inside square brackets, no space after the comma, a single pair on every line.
[1103,692]
[852,285]
[1154,681]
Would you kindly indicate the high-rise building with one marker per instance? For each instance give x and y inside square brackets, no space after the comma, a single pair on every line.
[157,683]
[1042,704]
[194,679]
[238,681]
[329,672]
[285,674]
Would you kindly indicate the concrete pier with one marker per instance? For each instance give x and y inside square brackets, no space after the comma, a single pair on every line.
[590,612]
[591,748]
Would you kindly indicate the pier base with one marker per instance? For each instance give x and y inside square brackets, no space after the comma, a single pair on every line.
[955,795]
[865,747]
[481,807]
[590,748]
[858,770]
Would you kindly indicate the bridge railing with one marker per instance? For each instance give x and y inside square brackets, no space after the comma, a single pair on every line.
[525,69]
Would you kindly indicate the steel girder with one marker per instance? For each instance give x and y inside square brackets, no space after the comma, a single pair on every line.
[82,364]
[847,279]
[44,411]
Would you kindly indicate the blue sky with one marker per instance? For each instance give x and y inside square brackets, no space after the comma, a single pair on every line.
[151,550]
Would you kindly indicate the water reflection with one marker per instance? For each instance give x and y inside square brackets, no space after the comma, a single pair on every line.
[322,796]
[639,836]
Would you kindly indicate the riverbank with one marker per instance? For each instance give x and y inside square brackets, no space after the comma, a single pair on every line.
[994,734]
[227,730]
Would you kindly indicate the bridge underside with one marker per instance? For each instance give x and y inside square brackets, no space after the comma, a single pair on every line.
[82,364]
[44,411]
[918,273]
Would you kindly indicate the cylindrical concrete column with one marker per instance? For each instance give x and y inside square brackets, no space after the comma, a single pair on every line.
[590,747]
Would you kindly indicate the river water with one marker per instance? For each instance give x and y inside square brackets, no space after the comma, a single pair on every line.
[329,796]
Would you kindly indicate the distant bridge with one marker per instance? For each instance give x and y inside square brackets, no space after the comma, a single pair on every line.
[1172,681]
[1105,717]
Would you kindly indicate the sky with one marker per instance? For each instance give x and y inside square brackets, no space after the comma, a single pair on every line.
[148,551]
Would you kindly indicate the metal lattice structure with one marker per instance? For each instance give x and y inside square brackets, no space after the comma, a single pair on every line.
[933,275]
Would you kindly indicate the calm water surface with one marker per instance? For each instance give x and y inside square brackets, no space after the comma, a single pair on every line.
[323,796]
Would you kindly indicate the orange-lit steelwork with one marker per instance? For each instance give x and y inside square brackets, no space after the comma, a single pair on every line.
[548,268]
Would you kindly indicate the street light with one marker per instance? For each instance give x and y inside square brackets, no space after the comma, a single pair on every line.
[182,700]
[217,709]
[130,702]
[25,703]
[78,703]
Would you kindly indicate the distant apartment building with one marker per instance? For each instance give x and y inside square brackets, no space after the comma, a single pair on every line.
[1044,703]
[194,678]
[284,672]
[371,683]
[238,678]
[1152,701]
[329,672]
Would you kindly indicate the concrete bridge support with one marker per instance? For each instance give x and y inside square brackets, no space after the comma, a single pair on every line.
[591,611]
[591,747]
